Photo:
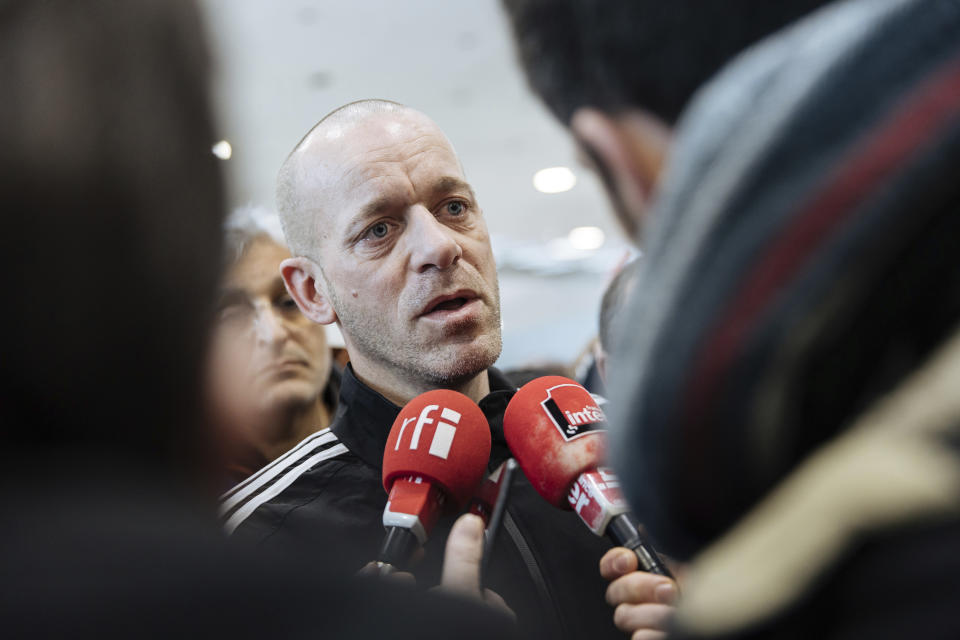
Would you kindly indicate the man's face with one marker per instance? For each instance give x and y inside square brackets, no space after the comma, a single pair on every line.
[267,356]
[404,252]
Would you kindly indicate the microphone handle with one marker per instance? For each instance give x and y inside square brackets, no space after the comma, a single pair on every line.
[624,531]
[398,547]
[496,516]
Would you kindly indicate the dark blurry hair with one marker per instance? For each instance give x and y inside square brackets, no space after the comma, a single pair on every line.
[112,207]
[616,54]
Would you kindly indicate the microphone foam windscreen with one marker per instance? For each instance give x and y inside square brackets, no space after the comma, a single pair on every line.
[556,431]
[443,436]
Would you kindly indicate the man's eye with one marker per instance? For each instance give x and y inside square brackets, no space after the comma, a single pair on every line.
[288,304]
[380,230]
[456,208]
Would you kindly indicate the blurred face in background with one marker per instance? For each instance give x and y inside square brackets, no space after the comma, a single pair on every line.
[266,358]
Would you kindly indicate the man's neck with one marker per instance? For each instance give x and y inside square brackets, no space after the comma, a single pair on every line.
[400,391]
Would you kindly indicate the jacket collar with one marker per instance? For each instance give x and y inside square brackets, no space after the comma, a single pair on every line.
[364,417]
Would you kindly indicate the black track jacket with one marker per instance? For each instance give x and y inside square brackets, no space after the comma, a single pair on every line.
[325,498]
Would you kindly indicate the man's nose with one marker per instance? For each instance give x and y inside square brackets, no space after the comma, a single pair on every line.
[268,326]
[432,243]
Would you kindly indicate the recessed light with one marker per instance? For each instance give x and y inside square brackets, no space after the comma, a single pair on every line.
[222,150]
[586,238]
[554,180]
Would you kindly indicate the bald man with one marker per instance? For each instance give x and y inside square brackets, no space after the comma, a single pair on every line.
[407,269]
[390,243]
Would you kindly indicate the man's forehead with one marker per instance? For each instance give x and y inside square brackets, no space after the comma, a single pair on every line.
[380,197]
[364,164]
[383,138]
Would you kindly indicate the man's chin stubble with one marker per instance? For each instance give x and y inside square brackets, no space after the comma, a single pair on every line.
[458,370]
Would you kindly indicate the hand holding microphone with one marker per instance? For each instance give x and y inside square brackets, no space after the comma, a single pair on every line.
[556,431]
[642,601]
[435,458]
[462,564]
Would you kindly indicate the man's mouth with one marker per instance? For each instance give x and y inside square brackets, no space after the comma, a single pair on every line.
[443,305]
[449,305]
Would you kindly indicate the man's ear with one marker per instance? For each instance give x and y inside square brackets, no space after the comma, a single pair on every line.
[302,278]
[630,150]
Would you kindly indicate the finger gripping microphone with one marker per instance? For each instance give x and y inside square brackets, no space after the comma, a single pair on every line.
[557,433]
[435,458]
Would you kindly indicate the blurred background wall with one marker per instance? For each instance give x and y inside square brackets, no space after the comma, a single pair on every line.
[283,64]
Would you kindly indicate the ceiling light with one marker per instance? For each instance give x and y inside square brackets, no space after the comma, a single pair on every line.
[586,238]
[554,180]
[222,150]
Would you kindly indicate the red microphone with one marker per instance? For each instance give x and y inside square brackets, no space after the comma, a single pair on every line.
[557,432]
[434,460]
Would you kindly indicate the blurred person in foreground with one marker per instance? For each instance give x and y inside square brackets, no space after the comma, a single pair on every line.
[272,378]
[391,244]
[794,423]
[112,204]
[619,74]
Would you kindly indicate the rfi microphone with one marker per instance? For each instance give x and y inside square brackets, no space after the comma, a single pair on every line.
[434,460]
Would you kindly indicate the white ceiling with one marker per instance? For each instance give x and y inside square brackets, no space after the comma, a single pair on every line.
[283,64]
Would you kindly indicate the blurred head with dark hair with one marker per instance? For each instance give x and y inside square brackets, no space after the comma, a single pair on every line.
[620,72]
[113,211]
